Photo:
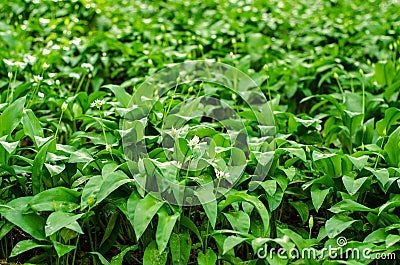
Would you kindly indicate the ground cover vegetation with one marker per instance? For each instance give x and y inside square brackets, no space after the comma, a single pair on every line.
[330,72]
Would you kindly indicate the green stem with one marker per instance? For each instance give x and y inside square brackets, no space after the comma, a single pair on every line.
[59,123]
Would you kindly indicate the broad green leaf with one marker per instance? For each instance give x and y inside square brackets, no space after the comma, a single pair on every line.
[353,185]
[269,186]
[318,196]
[9,146]
[90,191]
[101,258]
[186,222]
[37,167]
[358,162]
[330,164]
[391,240]
[6,227]
[337,224]
[122,96]
[11,116]
[209,203]
[349,205]
[392,148]
[236,196]
[153,257]
[58,220]
[62,249]
[391,116]
[230,242]
[110,183]
[31,125]
[239,220]
[393,202]
[59,198]
[299,152]
[118,259]
[145,210]
[31,223]
[166,223]
[302,209]
[208,258]
[25,245]
[180,245]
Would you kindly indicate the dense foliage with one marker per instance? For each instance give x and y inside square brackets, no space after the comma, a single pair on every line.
[330,70]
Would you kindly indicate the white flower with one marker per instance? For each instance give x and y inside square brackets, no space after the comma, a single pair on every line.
[44,20]
[10,75]
[58,82]
[87,66]
[51,75]
[221,174]
[64,106]
[76,41]
[40,94]
[8,62]
[29,59]
[20,65]
[45,65]
[74,75]
[175,132]
[108,148]
[37,78]
[46,51]
[98,103]
[195,140]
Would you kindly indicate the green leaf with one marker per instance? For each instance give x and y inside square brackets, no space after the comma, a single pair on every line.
[269,186]
[235,196]
[101,258]
[318,196]
[208,258]
[11,117]
[59,198]
[392,148]
[153,257]
[9,146]
[144,213]
[353,185]
[391,240]
[25,245]
[62,249]
[337,224]
[240,221]
[391,116]
[209,203]
[118,259]
[166,223]
[329,164]
[90,191]
[180,245]
[31,223]
[111,182]
[31,125]
[230,242]
[358,162]
[120,94]
[186,222]
[58,220]
[393,202]
[384,73]
[302,209]
[349,205]
[37,167]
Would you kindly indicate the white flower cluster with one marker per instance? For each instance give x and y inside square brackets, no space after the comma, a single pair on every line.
[221,174]
[194,142]
[98,103]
